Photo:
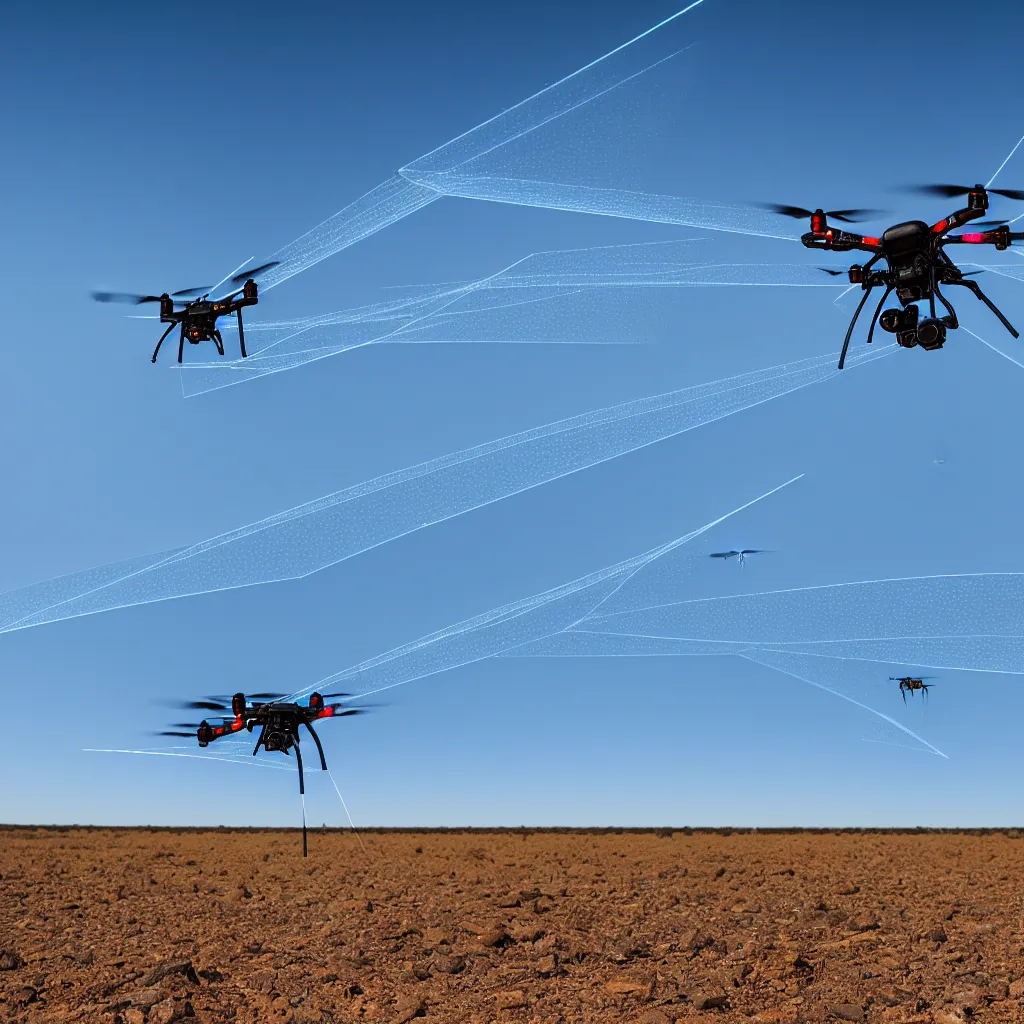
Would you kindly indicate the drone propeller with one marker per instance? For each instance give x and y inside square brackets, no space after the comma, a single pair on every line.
[267,696]
[206,705]
[174,732]
[833,272]
[253,272]
[138,300]
[988,223]
[952,191]
[899,679]
[327,695]
[135,300]
[799,213]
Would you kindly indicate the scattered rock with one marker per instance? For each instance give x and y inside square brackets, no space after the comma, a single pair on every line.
[863,923]
[654,1016]
[847,1011]
[26,995]
[494,937]
[628,987]
[166,968]
[169,1011]
[547,965]
[409,1008]
[144,998]
[10,961]
[708,1000]
[514,999]
[937,934]
[1017,989]
[133,1016]
[848,890]
[448,964]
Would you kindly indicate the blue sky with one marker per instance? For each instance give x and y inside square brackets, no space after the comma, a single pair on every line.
[145,159]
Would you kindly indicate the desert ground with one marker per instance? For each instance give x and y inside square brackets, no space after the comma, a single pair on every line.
[136,925]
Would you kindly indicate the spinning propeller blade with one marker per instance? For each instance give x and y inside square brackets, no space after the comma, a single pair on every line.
[267,696]
[952,191]
[206,705]
[200,290]
[135,300]
[253,272]
[833,272]
[799,213]
[173,732]
[326,695]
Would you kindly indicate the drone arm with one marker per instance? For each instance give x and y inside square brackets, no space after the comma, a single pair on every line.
[181,341]
[958,219]
[836,240]
[319,746]
[1001,237]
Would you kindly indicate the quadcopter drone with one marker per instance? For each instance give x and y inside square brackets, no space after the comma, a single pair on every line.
[741,555]
[916,262]
[908,684]
[278,720]
[199,316]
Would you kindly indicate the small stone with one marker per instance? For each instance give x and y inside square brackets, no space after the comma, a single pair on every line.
[1017,988]
[968,998]
[708,1000]
[847,1011]
[627,987]
[144,998]
[512,1000]
[242,893]
[848,890]
[937,934]
[409,1008]
[696,940]
[166,968]
[169,1011]
[10,961]
[26,995]
[448,964]
[946,1017]
[654,1016]
[547,965]
[864,923]
[134,1016]
[493,937]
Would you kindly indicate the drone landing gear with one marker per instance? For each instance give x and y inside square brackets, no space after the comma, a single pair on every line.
[181,342]
[981,296]
[241,335]
[218,341]
[156,351]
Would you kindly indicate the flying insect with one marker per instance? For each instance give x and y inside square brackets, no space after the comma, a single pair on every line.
[741,555]
[916,263]
[278,719]
[198,317]
[908,684]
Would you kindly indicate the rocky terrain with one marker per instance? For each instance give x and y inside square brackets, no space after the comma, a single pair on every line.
[130,926]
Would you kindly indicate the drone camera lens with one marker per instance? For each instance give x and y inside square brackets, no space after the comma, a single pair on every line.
[891,320]
[931,334]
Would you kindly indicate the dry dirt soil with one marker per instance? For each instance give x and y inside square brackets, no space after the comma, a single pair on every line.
[129,926]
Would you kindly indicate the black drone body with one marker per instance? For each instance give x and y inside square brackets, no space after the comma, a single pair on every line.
[198,319]
[916,264]
[278,720]
[908,684]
